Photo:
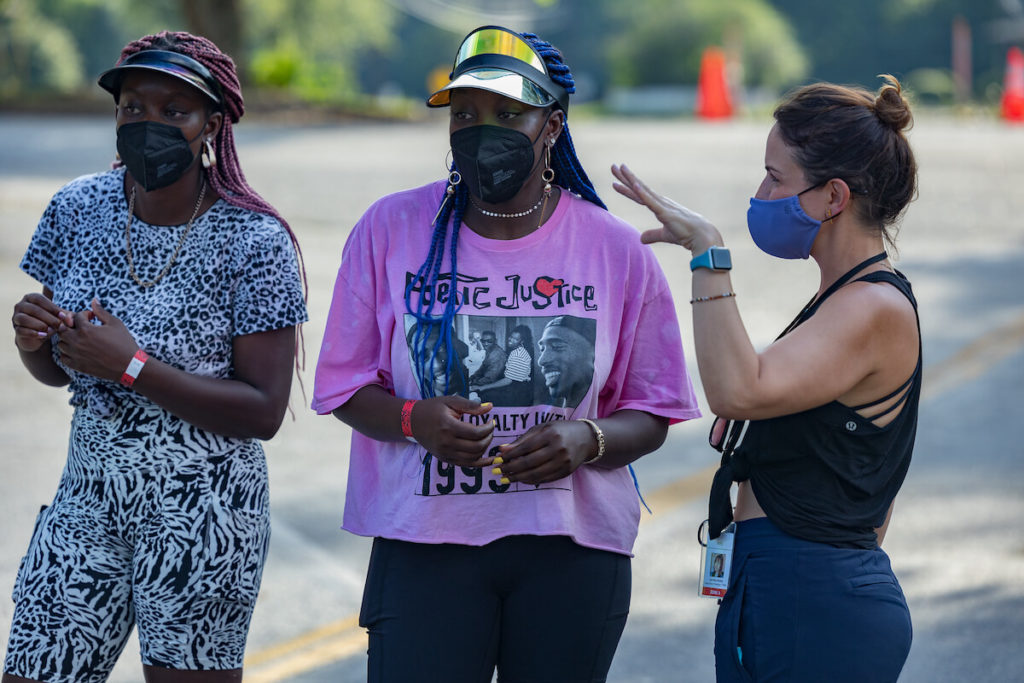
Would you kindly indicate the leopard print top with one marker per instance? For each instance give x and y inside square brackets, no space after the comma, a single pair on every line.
[236,274]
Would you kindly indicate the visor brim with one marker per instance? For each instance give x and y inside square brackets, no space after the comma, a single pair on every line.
[499,81]
[110,80]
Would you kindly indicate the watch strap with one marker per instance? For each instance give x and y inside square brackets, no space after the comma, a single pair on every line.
[713,258]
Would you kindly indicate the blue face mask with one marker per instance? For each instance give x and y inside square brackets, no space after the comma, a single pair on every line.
[781,228]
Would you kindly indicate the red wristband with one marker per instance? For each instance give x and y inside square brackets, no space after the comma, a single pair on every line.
[407,420]
[131,373]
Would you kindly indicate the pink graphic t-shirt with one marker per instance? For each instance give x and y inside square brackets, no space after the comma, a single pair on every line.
[581,296]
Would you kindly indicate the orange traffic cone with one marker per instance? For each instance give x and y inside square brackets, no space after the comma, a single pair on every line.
[1013,87]
[713,99]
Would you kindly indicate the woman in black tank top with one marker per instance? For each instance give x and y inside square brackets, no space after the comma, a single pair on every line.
[818,428]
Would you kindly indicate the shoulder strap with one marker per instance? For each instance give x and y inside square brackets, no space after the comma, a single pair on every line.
[815,302]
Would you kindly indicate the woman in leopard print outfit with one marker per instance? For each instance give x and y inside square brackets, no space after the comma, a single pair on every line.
[171,293]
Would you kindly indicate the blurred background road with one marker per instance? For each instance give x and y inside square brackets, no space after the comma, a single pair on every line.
[957,539]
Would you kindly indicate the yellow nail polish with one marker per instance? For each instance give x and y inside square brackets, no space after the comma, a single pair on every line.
[487,405]
[504,480]
[496,470]
[498,460]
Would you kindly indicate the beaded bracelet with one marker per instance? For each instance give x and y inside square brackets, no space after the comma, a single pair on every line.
[600,440]
[723,295]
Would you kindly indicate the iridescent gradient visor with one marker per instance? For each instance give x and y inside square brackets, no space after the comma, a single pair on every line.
[171,63]
[496,59]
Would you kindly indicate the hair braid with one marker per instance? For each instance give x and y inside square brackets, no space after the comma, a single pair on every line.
[226,177]
[568,170]
[428,279]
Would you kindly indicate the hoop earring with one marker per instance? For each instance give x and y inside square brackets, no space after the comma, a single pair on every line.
[209,155]
[547,175]
[454,178]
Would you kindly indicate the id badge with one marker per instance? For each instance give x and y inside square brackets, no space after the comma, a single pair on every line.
[715,561]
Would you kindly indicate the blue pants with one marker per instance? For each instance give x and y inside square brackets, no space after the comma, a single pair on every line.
[541,608]
[803,611]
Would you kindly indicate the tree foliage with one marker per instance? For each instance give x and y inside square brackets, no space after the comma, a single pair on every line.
[36,49]
[334,49]
[312,47]
[661,41]
[853,42]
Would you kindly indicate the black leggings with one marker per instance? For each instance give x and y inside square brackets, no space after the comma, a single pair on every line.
[540,608]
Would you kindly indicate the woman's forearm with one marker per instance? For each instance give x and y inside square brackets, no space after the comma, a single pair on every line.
[251,404]
[629,435]
[41,365]
[726,358]
[373,412]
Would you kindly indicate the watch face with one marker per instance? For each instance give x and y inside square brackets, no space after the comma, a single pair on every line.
[721,259]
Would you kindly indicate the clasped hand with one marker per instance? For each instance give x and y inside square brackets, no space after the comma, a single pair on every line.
[543,454]
[102,350]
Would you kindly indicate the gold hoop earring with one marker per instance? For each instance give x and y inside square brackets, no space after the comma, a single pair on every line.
[209,155]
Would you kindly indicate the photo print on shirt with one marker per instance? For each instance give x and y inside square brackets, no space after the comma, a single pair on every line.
[534,369]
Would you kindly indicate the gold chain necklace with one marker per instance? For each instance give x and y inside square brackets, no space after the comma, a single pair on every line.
[177,248]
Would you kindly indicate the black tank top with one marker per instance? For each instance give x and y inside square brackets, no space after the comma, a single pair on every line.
[826,474]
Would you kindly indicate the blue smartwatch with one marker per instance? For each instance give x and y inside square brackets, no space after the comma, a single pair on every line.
[715,258]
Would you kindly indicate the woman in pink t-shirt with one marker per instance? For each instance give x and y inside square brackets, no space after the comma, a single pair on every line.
[502,534]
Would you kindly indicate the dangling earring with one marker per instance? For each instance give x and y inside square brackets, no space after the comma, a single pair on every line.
[454,178]
[209,156]
[828,215]
[547,175]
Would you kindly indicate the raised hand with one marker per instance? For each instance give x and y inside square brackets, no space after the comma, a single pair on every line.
[679,224]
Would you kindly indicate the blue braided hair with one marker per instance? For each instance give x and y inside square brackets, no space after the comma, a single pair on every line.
[433,331]
[568,170]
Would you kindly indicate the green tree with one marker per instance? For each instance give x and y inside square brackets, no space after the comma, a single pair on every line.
[852,42]
[312,47]
[35,51]
[661,41]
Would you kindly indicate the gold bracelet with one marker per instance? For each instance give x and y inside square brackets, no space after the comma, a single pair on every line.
[600,440]
[723,295]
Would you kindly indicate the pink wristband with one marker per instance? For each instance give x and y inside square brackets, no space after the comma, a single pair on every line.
[131,373]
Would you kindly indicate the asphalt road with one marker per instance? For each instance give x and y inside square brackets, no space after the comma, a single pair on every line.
[957,538]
